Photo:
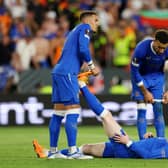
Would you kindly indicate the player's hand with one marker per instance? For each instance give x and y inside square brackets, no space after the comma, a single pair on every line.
[124,139]
[95,71]
[165,98]
[148,97]
[148,135]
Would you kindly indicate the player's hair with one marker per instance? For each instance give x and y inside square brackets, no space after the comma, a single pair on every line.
[86,14]
[162,36]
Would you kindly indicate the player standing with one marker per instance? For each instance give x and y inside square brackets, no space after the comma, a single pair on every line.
[147,78]
[65,94]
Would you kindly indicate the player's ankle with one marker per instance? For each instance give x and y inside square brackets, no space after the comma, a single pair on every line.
[81,149]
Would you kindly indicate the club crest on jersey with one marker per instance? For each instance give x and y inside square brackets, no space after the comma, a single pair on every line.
[87,32]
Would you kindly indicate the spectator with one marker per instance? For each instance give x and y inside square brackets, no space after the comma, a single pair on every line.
[8,75]
[40,57]
[118,87]
[123,46]
[49,25]
[25,50]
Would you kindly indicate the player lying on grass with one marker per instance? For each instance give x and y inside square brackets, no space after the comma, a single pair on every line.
[120,144]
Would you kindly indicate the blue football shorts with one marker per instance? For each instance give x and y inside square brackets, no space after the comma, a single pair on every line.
[154,84]
[117,150]
[108,150]
[65,89]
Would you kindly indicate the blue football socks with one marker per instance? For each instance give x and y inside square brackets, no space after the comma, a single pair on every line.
[159,119]
[54,129]
[141,123]
[92,101]
[71,128]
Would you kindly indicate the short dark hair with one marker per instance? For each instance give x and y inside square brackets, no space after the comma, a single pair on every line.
[87,13]
[162,36]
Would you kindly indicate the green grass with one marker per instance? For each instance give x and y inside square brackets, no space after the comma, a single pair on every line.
[16,149]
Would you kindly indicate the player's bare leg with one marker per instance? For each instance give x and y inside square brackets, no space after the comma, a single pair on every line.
[95,150]
[110,125]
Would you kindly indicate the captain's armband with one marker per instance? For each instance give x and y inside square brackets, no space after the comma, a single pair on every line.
[135,62]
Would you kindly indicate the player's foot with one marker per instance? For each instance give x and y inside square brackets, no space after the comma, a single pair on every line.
[39,150]
[56,155]
[78,155]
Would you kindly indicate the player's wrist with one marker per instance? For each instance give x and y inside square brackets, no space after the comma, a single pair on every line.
[129,143]
[140,83]
[91,65]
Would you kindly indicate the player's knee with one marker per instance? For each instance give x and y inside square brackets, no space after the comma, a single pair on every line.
[55,122]
[71,120]
[141,105]
[157,107]
[73,111]
[60,112]
[160,119]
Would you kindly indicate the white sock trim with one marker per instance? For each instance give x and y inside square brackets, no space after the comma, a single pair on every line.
[60,112]
[72,149]
[81,84]
[53,149]
[104,113]
[141,106]
[81,149]
[73,111]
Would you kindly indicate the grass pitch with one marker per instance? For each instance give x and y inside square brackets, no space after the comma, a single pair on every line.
[16,149]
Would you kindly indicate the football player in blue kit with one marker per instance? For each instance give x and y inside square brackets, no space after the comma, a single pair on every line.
[119,145]
[147,78]
[65,88]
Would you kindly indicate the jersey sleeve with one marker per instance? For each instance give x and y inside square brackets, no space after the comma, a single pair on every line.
[84,40]
[166,54]
[137,58]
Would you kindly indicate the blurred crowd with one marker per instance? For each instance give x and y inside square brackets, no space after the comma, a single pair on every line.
[32,34]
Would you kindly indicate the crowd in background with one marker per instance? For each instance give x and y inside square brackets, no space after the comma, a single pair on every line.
[32,33]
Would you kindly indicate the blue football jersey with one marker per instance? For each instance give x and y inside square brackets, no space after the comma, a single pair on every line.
[146,62]
[155,148]
[151,148]
[75,51]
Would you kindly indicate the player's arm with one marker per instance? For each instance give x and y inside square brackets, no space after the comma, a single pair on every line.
[84,41]
[148,97]
[136,76]
[165,97]
[165,68]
